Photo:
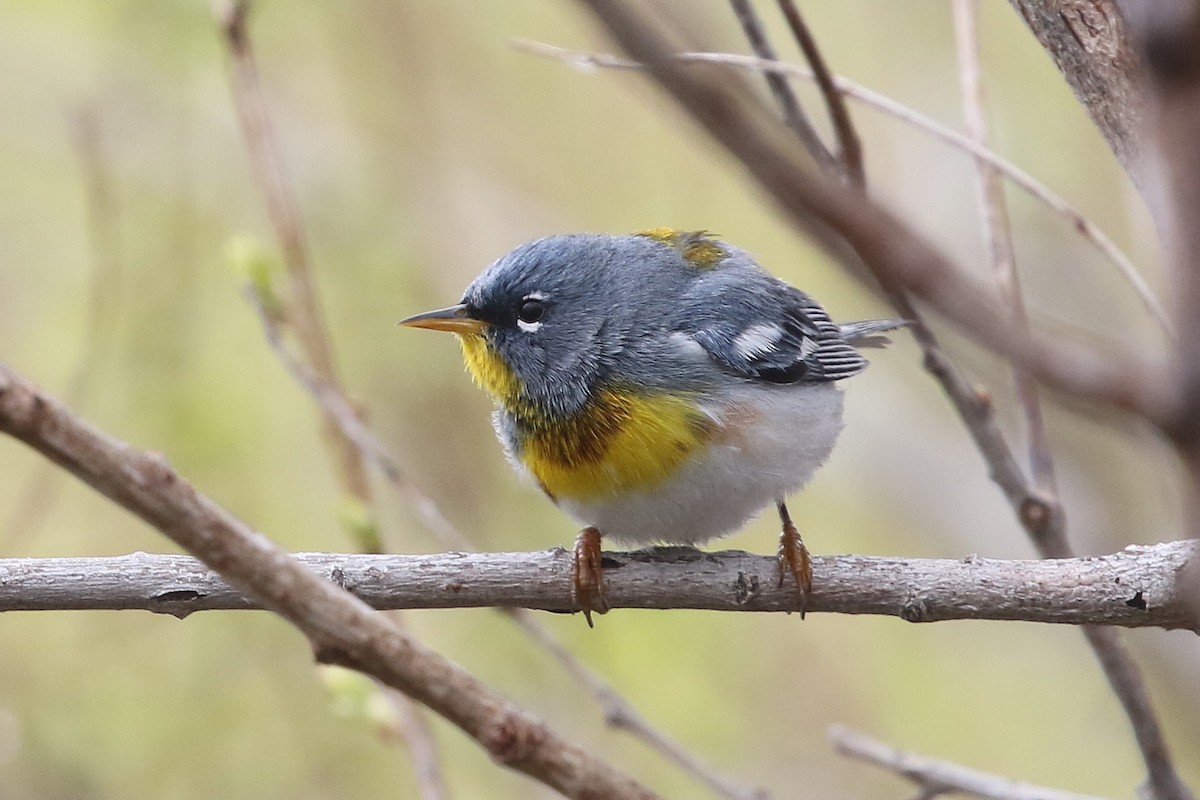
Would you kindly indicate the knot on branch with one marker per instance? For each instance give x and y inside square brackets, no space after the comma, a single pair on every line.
[916,609]
[511,737]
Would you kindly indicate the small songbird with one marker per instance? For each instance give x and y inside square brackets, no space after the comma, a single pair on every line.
[659,387]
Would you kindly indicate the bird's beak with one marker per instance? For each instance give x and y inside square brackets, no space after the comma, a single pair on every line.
[454,319]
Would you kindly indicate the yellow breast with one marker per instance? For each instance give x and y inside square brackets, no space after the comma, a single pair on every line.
[618,442]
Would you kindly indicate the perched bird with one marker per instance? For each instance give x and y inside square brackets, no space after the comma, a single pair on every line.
[659,387]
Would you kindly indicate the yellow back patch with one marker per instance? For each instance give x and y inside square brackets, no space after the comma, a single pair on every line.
[699,248]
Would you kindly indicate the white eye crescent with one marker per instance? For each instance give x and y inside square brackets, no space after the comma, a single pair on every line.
[530,313]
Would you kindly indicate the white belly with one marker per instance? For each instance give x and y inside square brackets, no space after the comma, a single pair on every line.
[769,442]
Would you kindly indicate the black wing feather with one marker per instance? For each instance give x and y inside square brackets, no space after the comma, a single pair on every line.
[792,340]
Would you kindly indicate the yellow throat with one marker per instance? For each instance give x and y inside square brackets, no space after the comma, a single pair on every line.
[619,441]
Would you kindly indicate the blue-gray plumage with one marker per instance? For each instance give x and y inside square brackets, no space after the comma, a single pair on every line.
[660,386]
[626,295]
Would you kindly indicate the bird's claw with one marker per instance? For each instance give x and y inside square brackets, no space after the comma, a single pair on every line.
[795,560]
[587,575]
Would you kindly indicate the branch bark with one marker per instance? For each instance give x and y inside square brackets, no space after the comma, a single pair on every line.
[341,628]
[1136,587]
[837,216]
[935,777]
[1090,44]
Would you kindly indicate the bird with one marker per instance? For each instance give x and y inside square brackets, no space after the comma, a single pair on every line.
[659,387]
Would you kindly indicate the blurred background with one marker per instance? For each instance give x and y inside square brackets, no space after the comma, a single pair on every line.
[422,145]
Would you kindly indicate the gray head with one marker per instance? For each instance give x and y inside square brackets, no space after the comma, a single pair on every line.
[565,309]
[562,312]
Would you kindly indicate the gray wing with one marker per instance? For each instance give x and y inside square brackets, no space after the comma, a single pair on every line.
[781,337]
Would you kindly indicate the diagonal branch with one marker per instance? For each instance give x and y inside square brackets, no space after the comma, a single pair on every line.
[793,113]
[618,711]
[341,628]
[1087,229]
[849,147]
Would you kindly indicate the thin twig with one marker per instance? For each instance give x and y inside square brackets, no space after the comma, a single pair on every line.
[302,309]
[1051,539]
[997,233]
[304,314]
[885,244]
[342,629]
[849,147]
[1136,587]
[935,777]
[1078,222]
[793,112]
[618,711]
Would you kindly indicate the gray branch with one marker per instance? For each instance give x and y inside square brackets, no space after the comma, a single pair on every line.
[1136,587]
[1090,44]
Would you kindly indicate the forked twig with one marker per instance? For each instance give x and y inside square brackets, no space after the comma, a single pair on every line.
[997,234]
[793,113]
[1051,539]
[1027,183]
[849,146]
[934,777]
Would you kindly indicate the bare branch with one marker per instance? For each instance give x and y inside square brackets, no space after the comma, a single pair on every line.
[935,777]
[1023,180]
[1136,587]
[269,168]
[618,711]
[1051,539]
[1089,43]
[997,233]
[849,147]
[342,629]
[793,113]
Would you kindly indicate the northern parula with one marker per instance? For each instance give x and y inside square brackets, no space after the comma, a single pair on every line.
[658,387]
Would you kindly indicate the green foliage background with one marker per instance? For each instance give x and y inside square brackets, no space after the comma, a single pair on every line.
[422,146]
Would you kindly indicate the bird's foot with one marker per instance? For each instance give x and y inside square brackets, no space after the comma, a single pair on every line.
[794,559]
[587,575]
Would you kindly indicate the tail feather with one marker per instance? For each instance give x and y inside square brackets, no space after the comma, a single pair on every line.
[865,333]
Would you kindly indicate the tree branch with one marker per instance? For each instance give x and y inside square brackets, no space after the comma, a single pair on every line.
[342,629]
[1136,587]
[618,711]
[849,154]
[1079,223]
[793,113]
[936,777]
[1090,45]
[836,216]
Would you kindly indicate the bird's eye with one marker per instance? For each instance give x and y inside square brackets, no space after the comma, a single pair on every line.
[531,310]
